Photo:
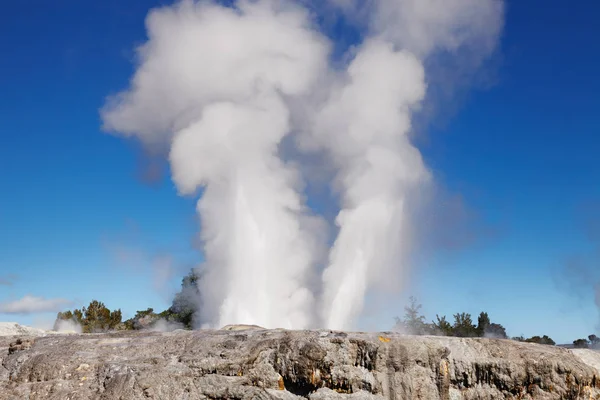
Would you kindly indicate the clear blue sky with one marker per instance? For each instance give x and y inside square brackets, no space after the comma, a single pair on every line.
[77,221]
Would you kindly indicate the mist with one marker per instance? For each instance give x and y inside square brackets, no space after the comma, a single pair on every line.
[222,88]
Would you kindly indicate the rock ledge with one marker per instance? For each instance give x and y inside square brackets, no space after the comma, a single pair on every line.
[278,364]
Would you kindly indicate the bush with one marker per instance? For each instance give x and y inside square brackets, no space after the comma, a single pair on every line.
[581,343]
[541,340]
[95,318]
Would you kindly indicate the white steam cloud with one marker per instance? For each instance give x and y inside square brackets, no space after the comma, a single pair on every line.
[213,81]
[364,126]
[220,86]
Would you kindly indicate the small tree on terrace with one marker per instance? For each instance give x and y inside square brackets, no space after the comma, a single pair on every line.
[483,322]
[463,325]
[496,331]
[442,326]
[414,322]
[541,340]
[94,318]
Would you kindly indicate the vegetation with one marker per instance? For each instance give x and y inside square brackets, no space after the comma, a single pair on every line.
[463,326]
[540,340]
[98,318]
[581,343]
[95,318]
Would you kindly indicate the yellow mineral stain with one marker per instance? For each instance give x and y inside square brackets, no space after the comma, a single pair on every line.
[280,382]
[444,368]
[384,339]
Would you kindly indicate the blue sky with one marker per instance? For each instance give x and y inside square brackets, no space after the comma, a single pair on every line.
[79,221]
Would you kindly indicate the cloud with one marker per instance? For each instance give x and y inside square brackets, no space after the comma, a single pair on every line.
[31,305]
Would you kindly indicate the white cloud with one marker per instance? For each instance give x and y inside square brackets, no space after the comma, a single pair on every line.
[31,305]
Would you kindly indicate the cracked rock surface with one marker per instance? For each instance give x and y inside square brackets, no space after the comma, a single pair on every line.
[278,364]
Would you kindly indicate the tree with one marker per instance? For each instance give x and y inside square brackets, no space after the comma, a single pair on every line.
[483,322]
[463,325]
[594,341]
[541,340]
[95,318]
[581,343]
[442,327]
[143,319]
[186,303]
[496,331]
[413,321]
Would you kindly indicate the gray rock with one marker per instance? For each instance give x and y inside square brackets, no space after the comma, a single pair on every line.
[279,364]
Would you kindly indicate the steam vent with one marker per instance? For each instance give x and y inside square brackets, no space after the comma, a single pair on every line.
[277,364]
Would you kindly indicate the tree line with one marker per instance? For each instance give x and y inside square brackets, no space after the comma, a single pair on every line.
[414,323]
[96,317]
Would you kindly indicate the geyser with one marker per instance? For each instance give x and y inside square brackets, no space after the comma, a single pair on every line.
[221,87]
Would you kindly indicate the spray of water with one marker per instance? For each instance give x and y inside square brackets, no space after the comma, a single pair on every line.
[216,85]
[212,84]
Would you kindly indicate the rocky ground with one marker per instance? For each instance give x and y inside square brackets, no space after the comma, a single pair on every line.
[277,364]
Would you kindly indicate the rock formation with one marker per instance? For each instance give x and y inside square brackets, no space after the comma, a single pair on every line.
[14,329]
[278,364]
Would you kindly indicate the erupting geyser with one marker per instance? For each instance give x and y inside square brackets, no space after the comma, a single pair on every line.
[219,85]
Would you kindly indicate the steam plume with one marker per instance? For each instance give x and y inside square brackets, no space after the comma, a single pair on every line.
[212,83]
[365,125]
[219,86]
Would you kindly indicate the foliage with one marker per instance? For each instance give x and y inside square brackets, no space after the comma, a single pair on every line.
[496,331]
[463,325]
[95,318]
[581,343]
[541,340]
[442,327]
[185,303]
[182,310]
[143,319]
[413,322]
[483,323]
[594,341]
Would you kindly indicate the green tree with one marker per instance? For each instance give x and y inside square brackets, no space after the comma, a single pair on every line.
[483,322]
[541,340]
[443,327]
[496,331]
[96,317]
[463,325]
[186,303]
[414,321]
[581,343]
[594,341]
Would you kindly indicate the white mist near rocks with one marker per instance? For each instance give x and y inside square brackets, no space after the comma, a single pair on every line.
[216,85]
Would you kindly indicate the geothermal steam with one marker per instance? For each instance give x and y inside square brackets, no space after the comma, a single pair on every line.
[364,126]
[218,86]
[212,83]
